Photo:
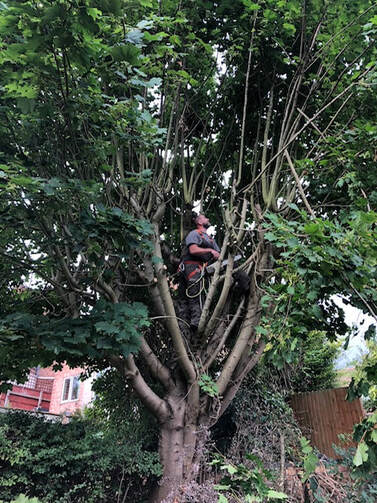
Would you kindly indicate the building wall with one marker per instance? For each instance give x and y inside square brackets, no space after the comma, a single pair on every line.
[57,405]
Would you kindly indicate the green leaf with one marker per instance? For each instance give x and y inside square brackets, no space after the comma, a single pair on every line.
[261,330]
[289,28]
[134,36]
[310,463]
[269,14]
[230,469]
[265,300]
[221,487]
[313,229]
[127,52]
[305,445]
[93,12]
[276,495]
[370,332]
[270,236]
[251,6]
[24,499]
[21,90]
[51,185]
[155,81]
[361,454]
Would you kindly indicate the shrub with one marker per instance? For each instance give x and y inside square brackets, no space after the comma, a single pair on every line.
[74,462]
[258,422]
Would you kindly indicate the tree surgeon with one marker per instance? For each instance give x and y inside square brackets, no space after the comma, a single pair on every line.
[199,250]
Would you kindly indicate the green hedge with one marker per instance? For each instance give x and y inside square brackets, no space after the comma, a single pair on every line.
[24,499]
[71,463]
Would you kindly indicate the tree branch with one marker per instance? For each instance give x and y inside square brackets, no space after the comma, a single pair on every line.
[296,135]
[214,348]
[213,286]
[299,186]
[171,317]
[234,385]
[150,399]
[224,295]
[248,325]
[158,370]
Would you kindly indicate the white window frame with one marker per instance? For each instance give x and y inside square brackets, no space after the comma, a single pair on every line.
[70,389]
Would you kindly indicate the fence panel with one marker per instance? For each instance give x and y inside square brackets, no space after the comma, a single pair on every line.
[323,415]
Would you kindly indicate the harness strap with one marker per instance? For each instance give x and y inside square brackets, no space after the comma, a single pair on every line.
[199,267]
[192,273]
[202,234]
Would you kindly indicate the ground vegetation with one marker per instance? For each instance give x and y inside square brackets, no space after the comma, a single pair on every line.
[76,462]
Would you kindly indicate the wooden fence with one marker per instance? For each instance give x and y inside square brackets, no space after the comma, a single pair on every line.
[25,398]
[323,415]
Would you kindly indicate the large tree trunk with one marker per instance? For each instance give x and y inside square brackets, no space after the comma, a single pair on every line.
[172,459]
[177,443]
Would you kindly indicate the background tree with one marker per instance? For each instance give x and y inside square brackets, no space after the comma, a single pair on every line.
[115,123]
[301,365]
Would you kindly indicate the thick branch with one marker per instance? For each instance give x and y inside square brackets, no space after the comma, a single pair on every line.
[265,187]
[215,347]
[171,319]
[158,370]
[224,295]
[240,163]
[153,402]
[213,286]
[248,325]
[234,385]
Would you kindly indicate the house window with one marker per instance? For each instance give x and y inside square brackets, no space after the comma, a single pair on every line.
[71,389]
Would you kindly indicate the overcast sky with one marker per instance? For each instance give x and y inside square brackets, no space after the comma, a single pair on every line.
[357,347]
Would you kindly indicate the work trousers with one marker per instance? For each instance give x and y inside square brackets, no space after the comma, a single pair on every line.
[190,299]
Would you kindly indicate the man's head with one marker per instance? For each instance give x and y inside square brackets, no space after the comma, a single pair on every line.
[202,221]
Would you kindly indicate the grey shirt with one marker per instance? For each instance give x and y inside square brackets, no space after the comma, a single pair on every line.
[201,239]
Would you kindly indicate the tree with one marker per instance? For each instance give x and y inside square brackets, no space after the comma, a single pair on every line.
[115,122]
[308,367]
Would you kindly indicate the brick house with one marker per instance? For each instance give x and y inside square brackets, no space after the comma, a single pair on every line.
[47,391]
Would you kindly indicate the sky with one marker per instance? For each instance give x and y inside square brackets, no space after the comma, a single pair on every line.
[357,347]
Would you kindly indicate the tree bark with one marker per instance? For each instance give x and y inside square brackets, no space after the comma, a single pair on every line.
[177,444]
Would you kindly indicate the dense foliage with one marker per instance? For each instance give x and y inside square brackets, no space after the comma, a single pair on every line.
[77,462]
[257,422]
[64,127]
[116,408]
[307,364]
[117,118]
[364,383]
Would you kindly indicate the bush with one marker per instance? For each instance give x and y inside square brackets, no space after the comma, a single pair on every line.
[310,366]
[24,499]
[69,463]
[257,422]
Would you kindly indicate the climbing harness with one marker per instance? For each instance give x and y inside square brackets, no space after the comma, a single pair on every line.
[200,267]
[201,287]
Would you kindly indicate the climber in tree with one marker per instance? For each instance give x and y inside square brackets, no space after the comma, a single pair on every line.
[199,250]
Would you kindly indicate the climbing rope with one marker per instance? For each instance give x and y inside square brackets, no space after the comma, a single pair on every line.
[201,288]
